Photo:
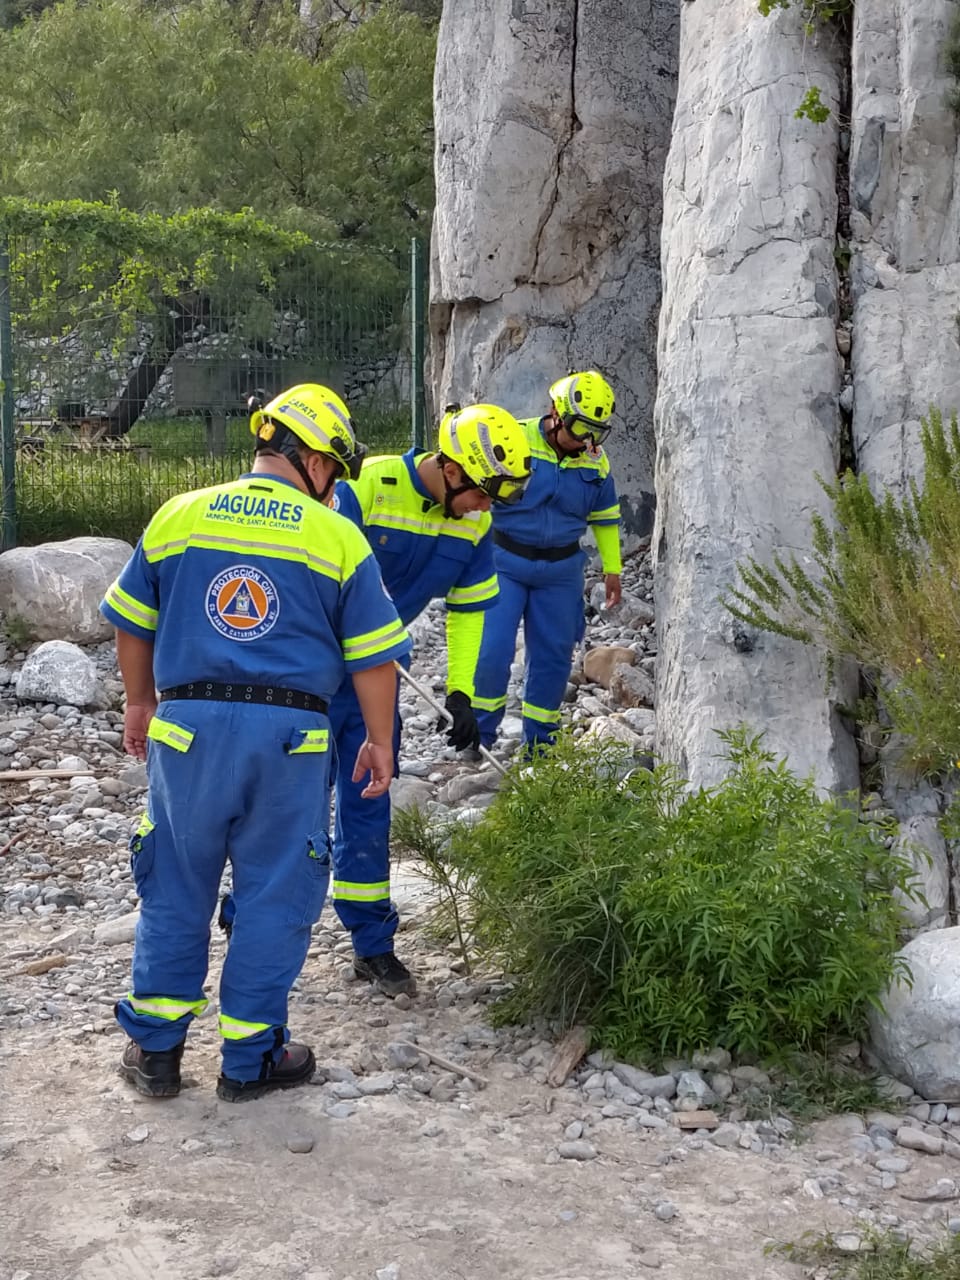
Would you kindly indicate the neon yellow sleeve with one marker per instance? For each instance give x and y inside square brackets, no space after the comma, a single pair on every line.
[608,544]
[464,633]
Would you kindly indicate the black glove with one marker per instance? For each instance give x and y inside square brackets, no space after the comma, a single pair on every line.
[464,732]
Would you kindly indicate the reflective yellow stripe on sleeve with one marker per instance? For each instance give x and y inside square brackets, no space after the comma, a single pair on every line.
[607,513]
[236,1029]
[166,1007]
[128,607]
[172,735]
[350,891]
[473,594]
[374,641]
[308,740]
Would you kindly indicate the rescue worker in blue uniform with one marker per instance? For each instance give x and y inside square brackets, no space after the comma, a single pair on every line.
[540,563]
[426,516]
[244,604]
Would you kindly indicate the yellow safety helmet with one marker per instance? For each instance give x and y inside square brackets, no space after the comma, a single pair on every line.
[584,403]
[317,417]
[490,447]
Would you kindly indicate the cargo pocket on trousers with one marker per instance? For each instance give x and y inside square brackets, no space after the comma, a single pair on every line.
[142,845]
[308,742]
[313,881]
[179,737]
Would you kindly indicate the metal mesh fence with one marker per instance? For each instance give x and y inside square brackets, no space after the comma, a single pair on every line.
[118,407]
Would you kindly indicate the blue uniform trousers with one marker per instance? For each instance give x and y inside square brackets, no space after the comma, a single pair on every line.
[548,598]
[361,844]
[239,792]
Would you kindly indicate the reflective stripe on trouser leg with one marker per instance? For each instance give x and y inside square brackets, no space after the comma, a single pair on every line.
[280,852]
[176,870]
[361,844]
[280,875]
[552,624]
[498,646]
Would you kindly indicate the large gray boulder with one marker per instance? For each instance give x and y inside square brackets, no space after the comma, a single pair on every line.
[552,122]
[54,589]
[917,1037]
[59,672]
[749,382]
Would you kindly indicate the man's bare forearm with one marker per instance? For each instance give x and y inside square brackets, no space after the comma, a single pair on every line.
[135,659]
[376,689]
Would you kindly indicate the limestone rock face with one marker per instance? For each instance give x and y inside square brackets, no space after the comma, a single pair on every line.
[918,1036]
[905,232]
[55,588]
[905,282]
[749,381]
[552,122]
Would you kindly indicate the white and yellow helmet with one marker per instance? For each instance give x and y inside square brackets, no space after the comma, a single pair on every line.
[490,447]
[584,403]
[317,417]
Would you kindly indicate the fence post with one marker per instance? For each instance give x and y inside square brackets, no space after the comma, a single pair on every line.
[417,344]
[8,452]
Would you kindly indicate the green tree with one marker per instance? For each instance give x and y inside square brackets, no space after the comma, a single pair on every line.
[165,108]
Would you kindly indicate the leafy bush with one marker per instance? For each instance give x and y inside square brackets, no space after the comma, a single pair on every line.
[752,915]
[882,1256]
[883,592]
[414,832]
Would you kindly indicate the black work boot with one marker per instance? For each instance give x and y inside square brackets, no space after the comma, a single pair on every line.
[388,974]
[156,1075]
[295,1067]
[225,916]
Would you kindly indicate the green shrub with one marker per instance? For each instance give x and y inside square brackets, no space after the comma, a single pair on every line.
[414,832]
[752,915]
[882,1256]
[883,592]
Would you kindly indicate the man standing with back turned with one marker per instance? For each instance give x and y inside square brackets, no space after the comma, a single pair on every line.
[244,605]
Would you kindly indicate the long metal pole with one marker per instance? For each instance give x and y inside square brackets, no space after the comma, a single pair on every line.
[8,452]
[417,345]
[442,711]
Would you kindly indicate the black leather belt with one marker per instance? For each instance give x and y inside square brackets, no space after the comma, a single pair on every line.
[268,695]
[535,553]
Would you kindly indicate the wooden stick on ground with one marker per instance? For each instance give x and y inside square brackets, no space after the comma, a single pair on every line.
[457,1067]
[24,775]
[569,1051]
[11,842]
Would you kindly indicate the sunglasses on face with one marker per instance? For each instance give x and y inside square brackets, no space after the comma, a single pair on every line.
[506,490]
[583,429]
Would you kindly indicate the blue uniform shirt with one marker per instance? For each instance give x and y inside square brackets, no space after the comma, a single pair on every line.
[562,498]
[254,582]
[422,554]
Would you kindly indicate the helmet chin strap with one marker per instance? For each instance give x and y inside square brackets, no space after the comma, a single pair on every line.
[289,451]
[449,493]
[552,433]
[284,444]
